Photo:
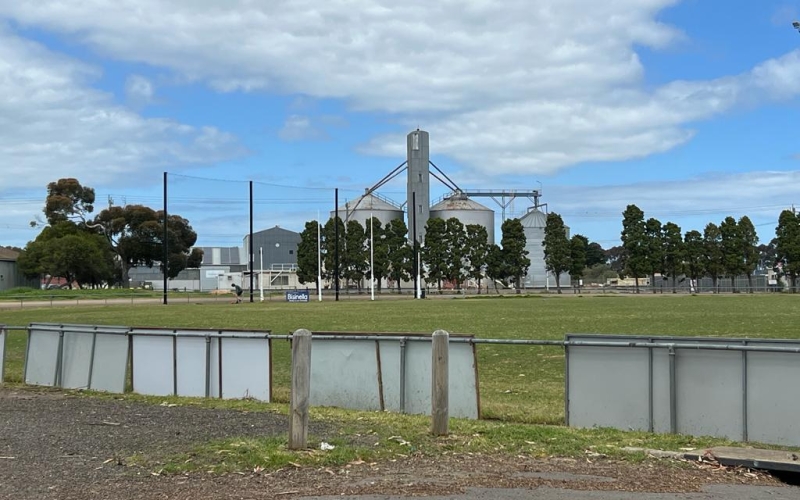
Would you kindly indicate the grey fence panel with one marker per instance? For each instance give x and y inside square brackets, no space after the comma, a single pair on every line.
[661,390]
[76,359]
[593,372]
[773,397]
[709,393]
[344,373]
[463,389]
[215,362]
[110,363]
[3,336]
[390,374]
[191,359]
[41,357]
[153,365]
[723,392]
[246,368]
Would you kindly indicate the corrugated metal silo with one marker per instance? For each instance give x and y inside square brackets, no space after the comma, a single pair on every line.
[533,223]
[467,211]
[368,205]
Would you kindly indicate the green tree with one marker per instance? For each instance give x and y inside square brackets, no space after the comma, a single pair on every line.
[655,249]
[714,258]
[477,250]
[380,251]
[399,252]
[577,258]
[497,269]
[616,257]
[634,242]
[329,248]
[356,253]
[694,255]
[731,246]
[787,245]
[68,251]
[307,253]
[595,255]
[599,274]
[135,233]
[455,241]
[66,200]
[515,256]
[748,239]
[674,252]
[557,247]
[435,251]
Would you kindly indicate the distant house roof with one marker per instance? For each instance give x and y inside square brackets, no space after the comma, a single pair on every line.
[8,254]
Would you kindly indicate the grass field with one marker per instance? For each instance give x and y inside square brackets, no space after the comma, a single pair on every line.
[519,384]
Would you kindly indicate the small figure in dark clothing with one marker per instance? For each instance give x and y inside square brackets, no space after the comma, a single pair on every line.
[238,290]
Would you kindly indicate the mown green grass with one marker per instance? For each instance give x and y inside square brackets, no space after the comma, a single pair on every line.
[517,383]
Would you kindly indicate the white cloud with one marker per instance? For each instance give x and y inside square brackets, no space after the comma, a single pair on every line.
[301,128]
[139,90]
[53,124]
[517,87]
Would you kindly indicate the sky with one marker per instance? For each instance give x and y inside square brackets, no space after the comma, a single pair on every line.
[689,109]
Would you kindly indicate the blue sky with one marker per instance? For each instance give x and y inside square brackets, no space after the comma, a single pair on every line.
[688,109]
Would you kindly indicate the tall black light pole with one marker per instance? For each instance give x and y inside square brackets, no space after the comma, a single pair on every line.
[166,242]
[336,252]
[250,250]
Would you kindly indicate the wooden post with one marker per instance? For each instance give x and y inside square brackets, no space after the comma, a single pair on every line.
[301,385]
[440,385]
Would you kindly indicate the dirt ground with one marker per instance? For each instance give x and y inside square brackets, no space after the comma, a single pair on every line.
[60,446]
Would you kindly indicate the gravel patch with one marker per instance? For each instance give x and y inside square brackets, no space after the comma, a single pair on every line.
[61,446]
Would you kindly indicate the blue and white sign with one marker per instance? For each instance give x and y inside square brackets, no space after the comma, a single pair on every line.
[297,296]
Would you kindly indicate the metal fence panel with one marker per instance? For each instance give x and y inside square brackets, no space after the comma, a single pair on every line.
[76,359]
[773,397]
[390,374]
[190,363]
[246,368]
[595,371]
[463,390]
[344,373]
[41,357]
[709,393]
[153,365]
[110,363]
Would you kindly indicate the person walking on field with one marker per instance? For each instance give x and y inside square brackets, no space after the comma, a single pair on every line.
[238,290]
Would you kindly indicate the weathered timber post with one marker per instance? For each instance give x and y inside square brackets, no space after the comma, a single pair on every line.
[440,383]
[301,385]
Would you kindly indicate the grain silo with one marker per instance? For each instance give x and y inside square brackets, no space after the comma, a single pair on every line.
[369,205]
[533,223]
[467,211]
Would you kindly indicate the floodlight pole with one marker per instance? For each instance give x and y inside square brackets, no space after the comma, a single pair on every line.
[319,259]
[261,273]
[166,242]
[336,252]
[250,250]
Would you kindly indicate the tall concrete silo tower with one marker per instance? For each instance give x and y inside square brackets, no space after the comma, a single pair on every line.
[419,183]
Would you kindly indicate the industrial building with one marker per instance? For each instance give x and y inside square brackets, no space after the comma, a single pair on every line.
[459,203]
[10,275]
